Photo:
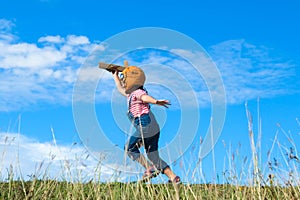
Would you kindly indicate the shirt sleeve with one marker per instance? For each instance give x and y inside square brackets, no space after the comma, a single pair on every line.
[139,94]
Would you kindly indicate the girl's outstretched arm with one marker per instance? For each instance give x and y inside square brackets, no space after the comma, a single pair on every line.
[148,99]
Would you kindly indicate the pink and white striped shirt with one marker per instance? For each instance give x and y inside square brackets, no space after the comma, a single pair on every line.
[136,106]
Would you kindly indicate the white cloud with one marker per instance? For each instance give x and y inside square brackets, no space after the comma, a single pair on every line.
[47,70]
[5,31]
[6,25]
[89,74]
[52,39]
[27,157]
[30,56]
[251,71]
[38,72]
[77,40]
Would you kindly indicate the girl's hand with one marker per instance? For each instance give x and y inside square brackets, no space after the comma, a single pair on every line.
[115,73]
[163,102]
[117,80]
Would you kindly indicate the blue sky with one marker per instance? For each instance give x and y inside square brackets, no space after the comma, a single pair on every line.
[46,46]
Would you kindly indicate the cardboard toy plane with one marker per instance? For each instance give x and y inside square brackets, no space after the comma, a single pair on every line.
[113,67]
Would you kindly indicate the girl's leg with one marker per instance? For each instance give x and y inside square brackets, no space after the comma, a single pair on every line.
[132,150]
[143,161]
[151,146]
[169,173]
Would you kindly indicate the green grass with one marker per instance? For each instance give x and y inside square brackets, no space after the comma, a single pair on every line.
[50,189]
[253,180]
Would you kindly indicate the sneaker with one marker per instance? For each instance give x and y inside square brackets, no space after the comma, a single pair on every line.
[175,181]
[151,172]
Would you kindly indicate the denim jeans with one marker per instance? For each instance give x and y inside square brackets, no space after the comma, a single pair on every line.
[147,135]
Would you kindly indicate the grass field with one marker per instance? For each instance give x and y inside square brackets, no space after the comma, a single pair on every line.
[263,181]
[49,189]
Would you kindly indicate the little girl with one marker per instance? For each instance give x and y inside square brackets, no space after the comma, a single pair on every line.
[130,84]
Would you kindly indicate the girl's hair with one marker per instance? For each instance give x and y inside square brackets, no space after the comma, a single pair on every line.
[141,87]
